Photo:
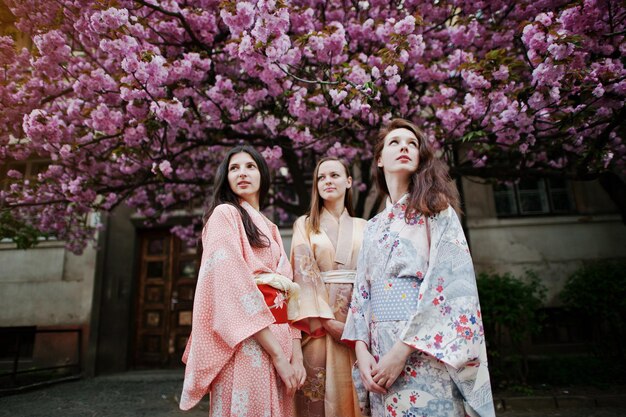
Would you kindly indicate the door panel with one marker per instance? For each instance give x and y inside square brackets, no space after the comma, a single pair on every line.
[167,282]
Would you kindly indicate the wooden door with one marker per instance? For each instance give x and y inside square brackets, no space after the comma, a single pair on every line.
[167,282]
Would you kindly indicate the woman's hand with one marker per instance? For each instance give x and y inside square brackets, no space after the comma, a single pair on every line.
[287,374]
[389,367]
[366,363]
[298,367]
[334,328]
[270,344]
[297,362]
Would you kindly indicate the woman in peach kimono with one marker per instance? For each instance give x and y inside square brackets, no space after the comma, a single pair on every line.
[242,350]
[324,251]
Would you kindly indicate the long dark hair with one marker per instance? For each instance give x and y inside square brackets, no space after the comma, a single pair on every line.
[431,189]
[313,216]
[223,194]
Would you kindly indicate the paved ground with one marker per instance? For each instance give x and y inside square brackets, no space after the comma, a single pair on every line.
[156,394]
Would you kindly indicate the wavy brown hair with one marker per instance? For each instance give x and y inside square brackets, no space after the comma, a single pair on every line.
[431,189]
[313,216]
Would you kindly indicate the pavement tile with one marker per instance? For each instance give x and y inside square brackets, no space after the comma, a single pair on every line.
[528,403]
[575,401]
[156,394]
[618,401]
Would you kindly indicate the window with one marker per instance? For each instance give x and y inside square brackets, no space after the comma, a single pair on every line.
[533,197]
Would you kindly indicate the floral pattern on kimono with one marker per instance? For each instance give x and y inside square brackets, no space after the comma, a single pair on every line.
[221,355]
[328,390]
[415,283]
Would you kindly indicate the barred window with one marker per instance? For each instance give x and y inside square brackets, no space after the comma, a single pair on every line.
[534,197]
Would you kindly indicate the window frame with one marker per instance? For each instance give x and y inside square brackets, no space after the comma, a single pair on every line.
[546,189]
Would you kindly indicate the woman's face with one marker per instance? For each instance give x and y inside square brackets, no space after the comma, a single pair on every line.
[400,154]
[244,177]
[332,181]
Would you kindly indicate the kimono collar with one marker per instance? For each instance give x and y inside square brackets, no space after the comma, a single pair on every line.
[398,204]
[248,207]
[259,219]
[343,250]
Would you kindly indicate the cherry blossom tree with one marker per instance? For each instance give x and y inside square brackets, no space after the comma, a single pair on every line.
[133,101]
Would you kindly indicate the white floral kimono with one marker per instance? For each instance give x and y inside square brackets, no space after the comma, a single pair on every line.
[415,282]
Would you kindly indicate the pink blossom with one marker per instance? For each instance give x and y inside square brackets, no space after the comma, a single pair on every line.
[544,18]
[166,168]
[560,51]
[475,80]
[109,19]
[52,45]
[475,106]
[480,162]
[451,118]
[534,38]
[523,148]
[599,90]
[243,18]
[105,120]
[170,111]
[14,174]
[405,26]
[65,151]
[548,74]
[536,101]
[502,73]
[337,96]
[358,75]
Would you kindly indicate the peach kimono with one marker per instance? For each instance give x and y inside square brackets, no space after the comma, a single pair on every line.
[324,266]
[221,356]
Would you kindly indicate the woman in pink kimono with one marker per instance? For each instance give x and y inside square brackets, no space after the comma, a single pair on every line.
[242,350]
[324,251]
[415,316]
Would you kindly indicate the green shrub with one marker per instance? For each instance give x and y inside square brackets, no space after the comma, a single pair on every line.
[598,290]
[21,233]
[510,310]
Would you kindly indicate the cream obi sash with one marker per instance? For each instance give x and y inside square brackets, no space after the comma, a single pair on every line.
[285,286]
[339,276]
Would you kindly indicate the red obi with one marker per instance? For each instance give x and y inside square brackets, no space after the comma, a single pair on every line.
[276,301]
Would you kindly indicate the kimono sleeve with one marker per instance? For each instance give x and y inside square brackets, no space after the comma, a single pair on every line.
[447,323]
[306,273]
[228,307]
[240,310]
[357,322]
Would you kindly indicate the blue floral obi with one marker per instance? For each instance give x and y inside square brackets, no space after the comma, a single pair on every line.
[394,299]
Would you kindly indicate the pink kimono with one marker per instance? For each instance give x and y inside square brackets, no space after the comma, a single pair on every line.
[221,356]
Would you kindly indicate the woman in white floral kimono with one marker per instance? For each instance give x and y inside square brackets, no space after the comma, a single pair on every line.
[415,316]
[324,251]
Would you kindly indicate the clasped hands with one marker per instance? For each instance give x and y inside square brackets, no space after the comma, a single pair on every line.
[379,376]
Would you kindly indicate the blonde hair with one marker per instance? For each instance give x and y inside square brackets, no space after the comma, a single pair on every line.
[313,216]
